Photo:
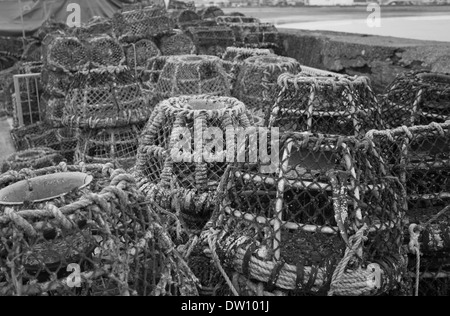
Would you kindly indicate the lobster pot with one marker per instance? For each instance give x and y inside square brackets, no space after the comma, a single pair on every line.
[34,158]
[65,53]
[326,219]
[257,79]
[105,51]
[18,134]
[249,30]
[185,18]
[234,57]
[152,72]
[420,157]
[115,145]
[95,26]
[328,105]
[177,44]
[139,53]
[211,40]
[417,98]
[32,52]
[82,231]
[54,109]
[101,98]
[190,74]
[210,13]
[56,82]
[166,154]
[143,23]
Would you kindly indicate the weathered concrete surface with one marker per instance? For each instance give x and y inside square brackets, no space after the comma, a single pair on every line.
[6,144]
[380,58]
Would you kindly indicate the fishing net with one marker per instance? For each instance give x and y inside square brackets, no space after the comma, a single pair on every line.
[165,155]
[233,58]
[35,158]
[177,44]
[190,74]
[105,51]
[257,79]
[116,145]
[417,98]
[144,23]
[420,157]
[328,105]
[211,40]
[108,97]
[84,231]
[327,220]
[249,30]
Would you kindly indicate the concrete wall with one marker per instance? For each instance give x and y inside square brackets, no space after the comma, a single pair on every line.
[380,58]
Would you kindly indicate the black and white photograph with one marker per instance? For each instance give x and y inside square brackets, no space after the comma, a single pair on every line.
[225,153]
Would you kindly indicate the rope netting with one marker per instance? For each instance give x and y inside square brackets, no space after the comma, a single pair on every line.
[64,52]
[143,23]
[84,230]
[417,98]
[177,44]
[420,157]
[257,79]
[185,180]
[113,145]
[105,97]
[35,158]
[329,220]
[152,72]
[139,53]
[234,57]
[211,40]
[191,74]
[250,31]
[328,105]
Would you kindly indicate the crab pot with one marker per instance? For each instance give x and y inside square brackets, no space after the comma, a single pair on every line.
[65,53]
[139,53]
[89,220]
[177,44]
[211,40]
[249,30]
[101,98]
[234,57]
[163,162]
[417,98]
[34,158]
[115,145]
[143,23]
[258,81]
[290,230]
[329,105]
[210,13]
[190,75]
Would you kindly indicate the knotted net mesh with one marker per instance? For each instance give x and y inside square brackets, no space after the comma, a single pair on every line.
[97,239]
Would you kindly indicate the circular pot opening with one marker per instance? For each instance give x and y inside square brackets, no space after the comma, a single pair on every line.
[43,188]
[198,105]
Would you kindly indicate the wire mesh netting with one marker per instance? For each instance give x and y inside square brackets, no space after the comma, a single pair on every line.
[177,44]
[115,145]
[165,157]
[211,40]
[249,30]
[84,230]
[190,74]
[144,23]
[417,98]
[257,79]
[108,97]
[234,57]
[328,105]
[420,157]
[35,158]
[329,220]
